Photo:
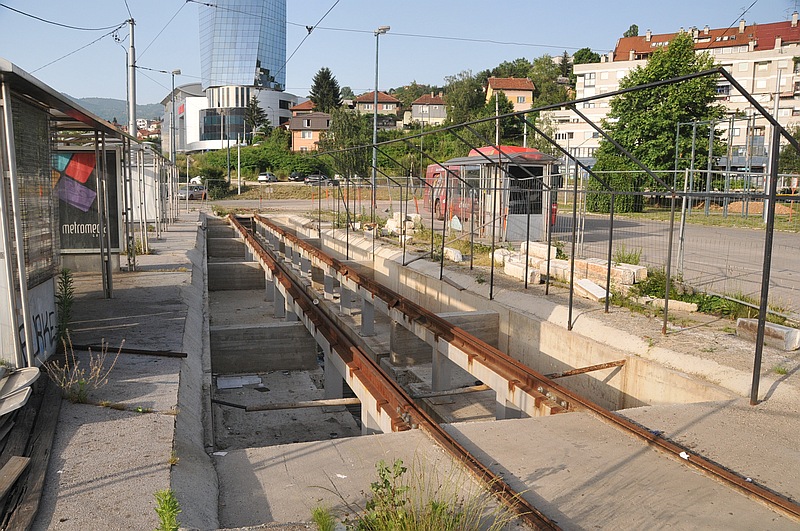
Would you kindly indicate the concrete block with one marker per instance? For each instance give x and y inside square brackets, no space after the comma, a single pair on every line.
[589,290]
[639,272]
[454,255]
[596,269]
[559,269]
[775,335]
[536,249]
[673,304]
[500,256]
[392,226]
[516,269]
[414,218]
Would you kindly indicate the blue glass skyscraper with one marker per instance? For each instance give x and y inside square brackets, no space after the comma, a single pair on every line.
[243,42]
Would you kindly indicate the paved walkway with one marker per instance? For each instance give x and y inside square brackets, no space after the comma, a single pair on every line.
[107,462]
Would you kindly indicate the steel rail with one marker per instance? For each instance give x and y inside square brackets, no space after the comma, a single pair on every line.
[521,375]
[391,391]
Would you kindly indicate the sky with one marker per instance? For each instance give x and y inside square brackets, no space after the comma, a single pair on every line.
[428,40]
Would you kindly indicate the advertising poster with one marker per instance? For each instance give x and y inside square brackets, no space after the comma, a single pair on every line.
[75,180]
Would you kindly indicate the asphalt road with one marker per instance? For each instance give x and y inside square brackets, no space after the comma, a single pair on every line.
[715,259]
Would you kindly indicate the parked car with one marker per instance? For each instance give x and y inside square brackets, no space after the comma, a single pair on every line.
[317,179]
[267,177]
[193,191]
[297,176]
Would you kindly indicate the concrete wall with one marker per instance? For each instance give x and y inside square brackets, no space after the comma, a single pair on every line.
[228,247]
[235,276]
[270,347]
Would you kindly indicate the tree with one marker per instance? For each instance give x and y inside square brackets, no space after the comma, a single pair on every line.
[325,91]
[408,93]
[644,121]
[789,161]
[544,73]
[349,130]
[347,93]
[255,118]
[510,128]
[585,56]
[463,96]
[633,31]
[565,65]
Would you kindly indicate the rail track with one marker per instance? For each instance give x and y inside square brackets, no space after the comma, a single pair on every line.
[407,414]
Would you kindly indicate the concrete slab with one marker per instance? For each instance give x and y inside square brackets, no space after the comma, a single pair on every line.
[589,290]
[580,471]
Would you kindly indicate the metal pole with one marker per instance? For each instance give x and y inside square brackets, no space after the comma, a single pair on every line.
[238,165]
[98,172]
[610,244]
[682,232]
[16,205]
[709,165]
[494,225]
[574,236]
[228,140]
[133,130]
[373,200]
[669,263]
[765,270]
[528,233]
[444,225]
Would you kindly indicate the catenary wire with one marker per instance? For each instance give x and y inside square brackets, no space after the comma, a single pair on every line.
[40,19]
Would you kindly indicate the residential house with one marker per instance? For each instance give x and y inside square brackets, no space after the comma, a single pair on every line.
[306,129]
[388,108]
[518,90]
[758,56]
[429,109]
[306,107]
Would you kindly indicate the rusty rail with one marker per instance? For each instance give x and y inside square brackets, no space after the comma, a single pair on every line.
[522,375]
[584,370]
[394,397]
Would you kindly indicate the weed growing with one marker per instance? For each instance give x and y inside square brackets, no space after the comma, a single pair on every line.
[406,500]
[75,379]
[167,509]
[65,297]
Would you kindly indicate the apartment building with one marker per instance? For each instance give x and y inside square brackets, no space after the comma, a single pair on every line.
[760,57]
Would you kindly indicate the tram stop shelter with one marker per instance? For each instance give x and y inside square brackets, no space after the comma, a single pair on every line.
[58,207]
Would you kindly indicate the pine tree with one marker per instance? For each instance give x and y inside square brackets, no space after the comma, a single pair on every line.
[325,92]
[255,117]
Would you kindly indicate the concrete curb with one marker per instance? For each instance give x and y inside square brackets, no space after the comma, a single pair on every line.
[194,478]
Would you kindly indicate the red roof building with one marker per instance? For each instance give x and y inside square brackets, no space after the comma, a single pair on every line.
[518,90]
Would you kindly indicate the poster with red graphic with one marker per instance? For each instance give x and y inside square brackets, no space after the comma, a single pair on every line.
[75,177]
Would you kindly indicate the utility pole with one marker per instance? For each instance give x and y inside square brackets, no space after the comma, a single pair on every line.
[132,129]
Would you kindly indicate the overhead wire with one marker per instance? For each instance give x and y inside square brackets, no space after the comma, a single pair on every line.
[737,19]
[162,29]
[59,24]
[306,36]
[79,49]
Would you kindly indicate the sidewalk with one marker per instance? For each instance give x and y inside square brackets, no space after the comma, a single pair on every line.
[107,462]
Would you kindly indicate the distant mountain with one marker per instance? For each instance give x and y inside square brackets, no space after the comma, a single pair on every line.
[109,108]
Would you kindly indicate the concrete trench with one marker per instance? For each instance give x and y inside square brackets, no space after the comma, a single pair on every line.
[252,334]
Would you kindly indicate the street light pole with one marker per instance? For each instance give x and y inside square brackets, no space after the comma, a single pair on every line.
[173,143]
[374,203]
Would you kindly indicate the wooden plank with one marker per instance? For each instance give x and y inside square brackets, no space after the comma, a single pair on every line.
[11,472]
[39,451]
